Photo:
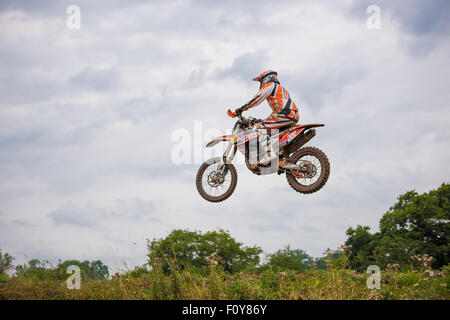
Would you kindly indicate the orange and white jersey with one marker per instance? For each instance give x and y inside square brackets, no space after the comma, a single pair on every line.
[278,99]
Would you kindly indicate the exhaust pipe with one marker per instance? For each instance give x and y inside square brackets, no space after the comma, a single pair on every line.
[291,166]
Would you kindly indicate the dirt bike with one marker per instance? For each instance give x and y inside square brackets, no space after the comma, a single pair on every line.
[307,169]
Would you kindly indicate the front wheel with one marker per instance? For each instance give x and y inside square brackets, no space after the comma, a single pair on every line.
[213,183]
[315,170]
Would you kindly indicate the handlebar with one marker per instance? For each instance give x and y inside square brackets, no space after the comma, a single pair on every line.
[232,114]
[241,118]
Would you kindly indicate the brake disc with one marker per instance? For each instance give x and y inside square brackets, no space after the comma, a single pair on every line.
[215,179]
[308,169]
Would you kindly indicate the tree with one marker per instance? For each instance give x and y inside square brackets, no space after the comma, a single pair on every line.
[288,259]
[321,263]
[394,249]
[362,245]
[5,264]
[420,223]
[415,224]
[189,248]
[94,270]
[43,270]
[37,269]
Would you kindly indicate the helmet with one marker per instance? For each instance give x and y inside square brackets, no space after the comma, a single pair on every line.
[266,77]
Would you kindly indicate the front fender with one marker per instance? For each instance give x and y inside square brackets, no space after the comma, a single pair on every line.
[219,139]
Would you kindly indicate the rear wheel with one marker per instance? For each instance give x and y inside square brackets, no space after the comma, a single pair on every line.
[315,170]
[215,184]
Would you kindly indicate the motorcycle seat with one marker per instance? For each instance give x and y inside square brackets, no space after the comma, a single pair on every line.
[282,129]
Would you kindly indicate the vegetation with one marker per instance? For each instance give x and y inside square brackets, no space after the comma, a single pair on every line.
[42,270]
[337,282]
[416,224]
[411,249]
[191,249]
[5,265]
[288,259]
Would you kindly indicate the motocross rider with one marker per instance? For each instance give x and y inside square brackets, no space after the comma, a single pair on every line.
[284,110]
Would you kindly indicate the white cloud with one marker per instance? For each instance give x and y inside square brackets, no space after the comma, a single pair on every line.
[86,118]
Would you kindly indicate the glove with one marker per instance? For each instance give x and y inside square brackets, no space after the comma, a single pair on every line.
[239,111]
[252,120]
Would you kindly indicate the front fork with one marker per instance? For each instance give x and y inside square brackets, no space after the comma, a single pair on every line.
[228,155]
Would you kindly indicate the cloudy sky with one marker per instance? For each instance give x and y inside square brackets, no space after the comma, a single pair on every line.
[88,116]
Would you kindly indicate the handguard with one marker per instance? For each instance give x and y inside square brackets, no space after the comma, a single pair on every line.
[231,114]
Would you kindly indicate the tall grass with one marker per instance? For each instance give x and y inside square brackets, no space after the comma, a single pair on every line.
[212,282]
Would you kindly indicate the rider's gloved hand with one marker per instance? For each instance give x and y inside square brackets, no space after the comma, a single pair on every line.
[239,111]
[253,121]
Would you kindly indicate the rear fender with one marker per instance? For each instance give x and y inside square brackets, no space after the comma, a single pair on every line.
[290,135]
[308,126]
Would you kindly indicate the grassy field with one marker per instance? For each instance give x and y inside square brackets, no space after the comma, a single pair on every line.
[215,284]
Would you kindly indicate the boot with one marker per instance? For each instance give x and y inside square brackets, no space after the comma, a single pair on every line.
[270,155]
